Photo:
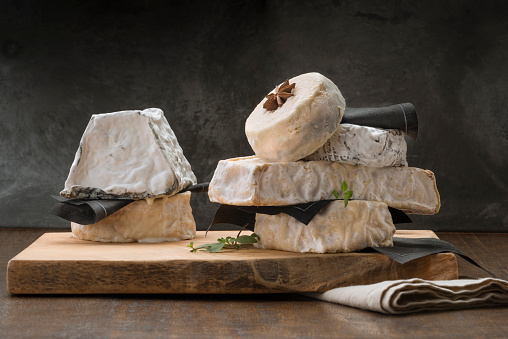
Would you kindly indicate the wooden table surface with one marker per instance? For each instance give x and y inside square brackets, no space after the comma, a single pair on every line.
[259,316]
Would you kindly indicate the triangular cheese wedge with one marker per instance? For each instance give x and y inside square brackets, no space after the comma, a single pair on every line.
[132,154]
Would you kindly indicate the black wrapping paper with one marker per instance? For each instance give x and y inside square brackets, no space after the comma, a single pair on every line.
[400,116]
[405,250]
[246,215]
[88,212]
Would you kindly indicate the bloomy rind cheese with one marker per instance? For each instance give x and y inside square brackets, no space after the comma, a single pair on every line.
[301,125]
[250,181]
[131,154]
[152,220]
[365,146]
[334,229]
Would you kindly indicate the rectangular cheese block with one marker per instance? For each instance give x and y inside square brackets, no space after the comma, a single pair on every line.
[145,220]
[363,145]
[250,181]
[334,229]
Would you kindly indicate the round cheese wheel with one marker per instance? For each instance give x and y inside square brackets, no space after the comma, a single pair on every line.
[303,123]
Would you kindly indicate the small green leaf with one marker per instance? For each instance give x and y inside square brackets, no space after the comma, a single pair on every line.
[343,187]
[348,194]
[246,239]
[203,246]
[336,194]
[214,248]
[345,202]
[227,243]
[191,245]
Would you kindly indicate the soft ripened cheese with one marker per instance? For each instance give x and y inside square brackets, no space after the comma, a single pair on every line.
[145,220]
[301,125]
[132,154]
[365,146]
[334,229]
[250,181]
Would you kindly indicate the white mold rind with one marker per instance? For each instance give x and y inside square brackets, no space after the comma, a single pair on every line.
[364,146]
[250,181]
[152,220]
[301,125]
[334,229]
[131,154]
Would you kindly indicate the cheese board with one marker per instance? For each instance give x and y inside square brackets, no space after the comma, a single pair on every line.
[57,263]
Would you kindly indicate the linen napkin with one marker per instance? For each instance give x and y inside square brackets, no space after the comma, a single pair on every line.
[416,295]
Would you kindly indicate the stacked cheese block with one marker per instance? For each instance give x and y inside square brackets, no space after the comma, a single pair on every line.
[303,153]
[133,155]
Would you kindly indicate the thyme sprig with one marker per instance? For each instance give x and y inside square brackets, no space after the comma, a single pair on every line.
[226,243]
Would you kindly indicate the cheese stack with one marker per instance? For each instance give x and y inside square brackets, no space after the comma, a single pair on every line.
[135,155]
[303,153]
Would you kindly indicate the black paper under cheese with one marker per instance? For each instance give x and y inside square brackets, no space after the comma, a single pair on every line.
[88,212]
[242,215]
[198,188]
[304,213]
[400,116]
[405,250]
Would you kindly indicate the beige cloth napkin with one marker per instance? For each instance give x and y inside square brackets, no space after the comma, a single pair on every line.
[415,295]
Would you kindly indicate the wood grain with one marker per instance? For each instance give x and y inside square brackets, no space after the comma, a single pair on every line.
[488,249]
[58,264]
[279,315]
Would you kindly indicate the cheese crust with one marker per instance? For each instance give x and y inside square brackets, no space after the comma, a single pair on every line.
[301,125]
[365,146]
[146,220]
[132,154]
[334,229]
[250,181]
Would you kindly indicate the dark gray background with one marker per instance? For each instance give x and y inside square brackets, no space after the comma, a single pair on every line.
[207,64]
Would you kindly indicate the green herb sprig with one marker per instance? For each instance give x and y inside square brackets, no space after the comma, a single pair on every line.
[226,243]
[347,194]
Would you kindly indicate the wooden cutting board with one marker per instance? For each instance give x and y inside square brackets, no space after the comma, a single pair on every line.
[57,263]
